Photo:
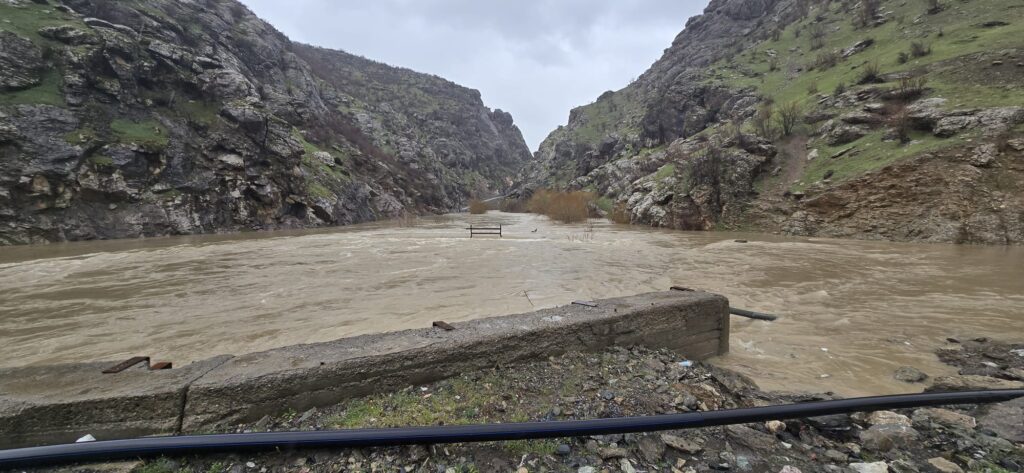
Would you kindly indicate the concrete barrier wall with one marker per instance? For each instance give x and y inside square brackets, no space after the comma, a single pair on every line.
[60,403]
[46,405]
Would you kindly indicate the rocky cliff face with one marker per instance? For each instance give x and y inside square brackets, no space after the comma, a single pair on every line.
[154,117]
[671,100]
[874,119]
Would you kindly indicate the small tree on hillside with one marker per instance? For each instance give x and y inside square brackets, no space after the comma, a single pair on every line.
[919,49]
[872,73]
[911,88]
[900,122]
[869,12]
[817,36]
[763,120]
[706,170]
[789,117]
[839,90]
[827,60]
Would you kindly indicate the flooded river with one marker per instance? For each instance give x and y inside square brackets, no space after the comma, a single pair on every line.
[852,311]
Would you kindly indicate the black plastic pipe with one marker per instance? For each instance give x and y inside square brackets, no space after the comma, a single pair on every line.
[195,444]
[734,311]
[752,315]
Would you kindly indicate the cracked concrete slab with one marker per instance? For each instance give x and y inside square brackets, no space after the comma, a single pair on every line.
[42,405]
[304,376]
[58,404]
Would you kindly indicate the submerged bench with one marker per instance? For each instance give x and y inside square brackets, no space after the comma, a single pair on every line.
[58,404]
[485,231]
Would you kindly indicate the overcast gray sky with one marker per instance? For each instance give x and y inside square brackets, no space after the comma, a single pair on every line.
[534,58]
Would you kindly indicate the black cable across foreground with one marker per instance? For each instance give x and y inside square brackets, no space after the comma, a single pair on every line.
[195,444]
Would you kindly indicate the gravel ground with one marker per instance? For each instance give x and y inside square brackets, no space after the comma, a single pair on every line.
[638,381]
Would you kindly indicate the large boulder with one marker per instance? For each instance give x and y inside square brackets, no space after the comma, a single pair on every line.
[843,134]
[21,62]
[1006,419]
[885,437]
[972,383]
[228,84]
[944,466]
[924,114]
[858,117]
[983,156]
[990,120]
[68,34]
[909,374]
[949,126]
[997,120]
[876,467]
[929,417]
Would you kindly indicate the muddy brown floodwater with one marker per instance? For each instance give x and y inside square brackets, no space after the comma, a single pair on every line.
[852,311]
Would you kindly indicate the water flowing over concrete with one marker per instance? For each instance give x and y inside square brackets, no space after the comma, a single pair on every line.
[874,306]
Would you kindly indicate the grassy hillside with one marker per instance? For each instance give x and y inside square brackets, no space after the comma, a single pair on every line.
[963,51]
[758,105]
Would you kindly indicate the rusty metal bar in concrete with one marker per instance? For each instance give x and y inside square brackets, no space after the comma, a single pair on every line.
[46,405]
[443,325]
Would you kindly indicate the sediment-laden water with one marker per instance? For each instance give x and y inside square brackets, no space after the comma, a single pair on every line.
[852,311]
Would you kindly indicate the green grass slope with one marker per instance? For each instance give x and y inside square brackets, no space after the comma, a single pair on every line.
[965,41]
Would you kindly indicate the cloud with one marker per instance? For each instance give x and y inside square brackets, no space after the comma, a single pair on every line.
[534,58]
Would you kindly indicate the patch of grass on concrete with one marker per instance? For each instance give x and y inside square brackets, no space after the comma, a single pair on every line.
[459,401]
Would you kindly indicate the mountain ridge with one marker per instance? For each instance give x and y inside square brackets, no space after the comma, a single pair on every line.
[155,117]
[784,115]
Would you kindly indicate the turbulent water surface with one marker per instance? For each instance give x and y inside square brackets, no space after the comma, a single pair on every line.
[852,311]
